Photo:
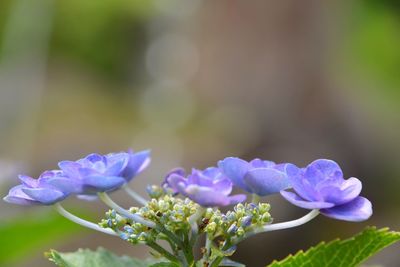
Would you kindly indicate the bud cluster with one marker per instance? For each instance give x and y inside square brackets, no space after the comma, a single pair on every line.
[236,223]
[169,212]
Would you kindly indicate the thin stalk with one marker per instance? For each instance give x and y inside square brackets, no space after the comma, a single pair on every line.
[182,256]
[279,226]
[137,218]
[135,195]
[216,261]
[163,251]
[194,226]
[208,248]
[170,235]
[188,248]
[81,221]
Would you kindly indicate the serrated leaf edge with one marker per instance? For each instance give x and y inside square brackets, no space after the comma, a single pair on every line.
[368,228]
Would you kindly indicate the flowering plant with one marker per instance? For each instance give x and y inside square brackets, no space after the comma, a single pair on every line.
[185,208]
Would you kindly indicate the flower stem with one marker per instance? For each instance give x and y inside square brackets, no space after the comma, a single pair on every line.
[216,261]
[208,248]
[135,195]
[82,222]
[193,224]
[137,218]
[163,251]
[279,226]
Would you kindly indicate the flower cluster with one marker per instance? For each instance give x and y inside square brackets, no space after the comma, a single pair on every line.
[90,175]
[320,187]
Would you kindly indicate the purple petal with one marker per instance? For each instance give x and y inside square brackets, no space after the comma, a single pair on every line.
[136,164]
[94,157]
[70,168]
[298,201]
[174,180]
[360,209]
[288,168]
[45,196]
[302,186]
[346,192]
[116,164]
[235,169]
[233,200]
[213,173]
[87,172]
[17,196]
[265,181]
[65,185]
[51,174]
[322,169]
[223,186]
[28,181]
[177,171]
[258,163]
[197,177]
[102,183]
[206,197]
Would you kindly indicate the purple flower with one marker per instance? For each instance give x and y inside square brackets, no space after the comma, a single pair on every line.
[176,171]
[321,186]
[209,188]
[100,173]
[40,191]
[257,176]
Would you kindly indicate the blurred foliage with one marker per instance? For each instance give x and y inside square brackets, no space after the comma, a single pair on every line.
[107,36]
[373,46]
[31,234]
[387,4]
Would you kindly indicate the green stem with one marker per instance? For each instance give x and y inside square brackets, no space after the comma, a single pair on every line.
[170,235]
[189,249]
[194,225]
[208,246]
[216,261]
[81,221]
[163,251]
[279,226]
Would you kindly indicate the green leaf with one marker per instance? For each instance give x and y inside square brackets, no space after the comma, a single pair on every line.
[346,253]
[98,258]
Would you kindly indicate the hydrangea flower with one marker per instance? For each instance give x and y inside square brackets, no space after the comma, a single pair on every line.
[100,173]
[259,177]
[209,187]
[176,171]
[321,186]
[40,191]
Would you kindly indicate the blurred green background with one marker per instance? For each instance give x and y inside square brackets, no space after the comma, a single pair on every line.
[196,81]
